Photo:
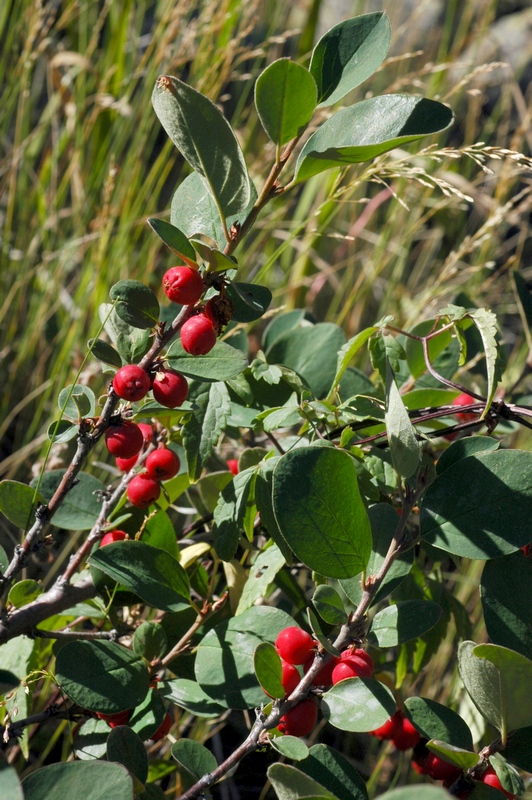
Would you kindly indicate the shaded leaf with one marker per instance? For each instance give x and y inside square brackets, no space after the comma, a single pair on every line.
[261,574]
[515,678]
[82,505]
[469,446]
[404,621]
[330,768]
[189,695]
[230,513]
[136,304]
[192,755]
[329,605]
[291,784]
[207,421]
[505,590]
[347,353]
[91,780]
[250,301]
[435,721]
[126,748]
[16,502]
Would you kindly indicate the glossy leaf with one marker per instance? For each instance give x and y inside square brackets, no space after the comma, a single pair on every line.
[105,352]
[224,660]
[174,239]
[368,129]
[102,676]
[136,304]
[358,704]
[464,448]
[291,784]
[192,755]
[189,695]
[320,512]
[220,364]
[268,669]
[329,605]
[202,430]
[91,780]
[404,621]
[16,502]
[290,747]
[230,513]
[505,590]
[465,759]
[151,573]
[250,301]
[285,97]
[261,575]
[81,506]
[481,506]
[402,439]
[327,766]
[515,678]
[348,54]
[127,748]
[204,137]
[436,721]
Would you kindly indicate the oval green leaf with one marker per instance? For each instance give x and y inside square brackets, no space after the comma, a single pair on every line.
[482,682]
[404,621]
[327,766]
[105,352]
[62,431]
[453,755]
[82,505]
[285,96]
[150,640]
[174,239]
[194,757]
[189,695]
[136,304]
[329,605]
[91,780]
[268,669]
[320,512]
[358,704]
[416,793]
[127,748]
[464,448]
[250,301]
[515,679]
[368,129]
[220,364]
[518,751]
[290,747]
[435,721]
[10,787]
[507,612]
[16,502]
[291,784]
[24,592]
[76,402]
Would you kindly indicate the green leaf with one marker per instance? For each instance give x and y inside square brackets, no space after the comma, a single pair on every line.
[194,757]
[91,780]
[174,239]
[320,512]
[10,788]
[285,97]
[148,716]
[90,741]
[404,621]
[327,766]
[290,747]
[486,322]
[136,304]
[105,352]
[151,573]
[481,506]
[515,678]
[261,575]
[465,759]
[481,680]
[220,364]
[126,748]
[358,704]
[347,353]
[24,592]
[416,793]
[329,605]
[77,402]
[268,669]
[62,431]
[518,751]
[509,777]
[189,695]
[348,54]
[8,681]
[150,640]
[315,626]
[102,676]
[207,421]
[202,134]
[307,351]
[224,660]
[368,129]
[82,505]
[230,513]
[401,434]
[291,784]
[16,502]
[463,448]
[415,355]
[280,324]
[505,590]
[435,721]
[383,349]
[250,301]
[131,342]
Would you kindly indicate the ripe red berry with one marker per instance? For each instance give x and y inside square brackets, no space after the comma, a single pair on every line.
[143,490]
[324,676]
[113,720]
[465,400]
[291,677]
[126,464]
[405,736]
[147,431]
[491,778]
[198,335]
[441,770]
[301,719]
[131,382]
[113,536]
[124,440]
[183,285]
[387,730]
[170,388]
[294,645]
[232,463]
[352,666]
[162,464]
[526,550]
[163,729]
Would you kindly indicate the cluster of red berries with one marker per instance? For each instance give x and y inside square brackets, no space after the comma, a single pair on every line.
[400,730]
[296,647]
[132,383]
[184,285]
[122,718]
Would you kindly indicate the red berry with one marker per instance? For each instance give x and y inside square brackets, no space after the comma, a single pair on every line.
[300,720]
[294,645]
[441,770]
[291,677]
[147,431]
[113,536]
[170,388]
[131,382]
[198,335]
[465,400]
[163,729]
[124,440]
[351,667]
[142,490]
[232,463]
[113,720]
[162,464]
[526,550]
[361,654]
[491,778]
[126,464]
[389,728]
[324,676]
[183,285]
[406,736]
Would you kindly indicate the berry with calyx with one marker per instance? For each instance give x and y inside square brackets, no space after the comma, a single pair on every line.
[131,383]
[114,720]
[124,440]
[352,666]
[198,335]
[163,729]
[142,490]
[465,400]
[113,536]
[232,463]
[162,464]
[183,285]
[170,388]
[294,645]
[301,719]
[491,778]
